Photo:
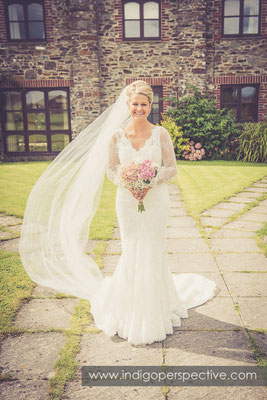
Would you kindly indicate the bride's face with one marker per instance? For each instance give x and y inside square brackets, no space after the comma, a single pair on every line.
[139,107]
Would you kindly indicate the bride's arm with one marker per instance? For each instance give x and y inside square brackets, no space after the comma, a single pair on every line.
[113,160]
[169,168]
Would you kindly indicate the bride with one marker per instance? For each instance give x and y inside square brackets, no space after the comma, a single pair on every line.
[142,301]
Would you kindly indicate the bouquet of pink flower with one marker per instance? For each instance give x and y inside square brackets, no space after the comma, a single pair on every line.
[138,175]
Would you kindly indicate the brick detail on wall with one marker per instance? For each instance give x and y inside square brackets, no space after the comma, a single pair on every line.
[48,22]
[43,83]
[156,81]
[241,80]
[119,27]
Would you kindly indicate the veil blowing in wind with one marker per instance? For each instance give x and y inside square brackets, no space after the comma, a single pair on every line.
[62,204]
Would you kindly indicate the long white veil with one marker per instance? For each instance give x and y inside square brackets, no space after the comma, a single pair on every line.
[61,206]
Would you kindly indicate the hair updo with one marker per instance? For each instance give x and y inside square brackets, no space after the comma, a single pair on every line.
[140,87]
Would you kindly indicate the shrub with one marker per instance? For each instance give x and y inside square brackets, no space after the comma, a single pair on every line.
[180,143]
[252,143]
[203,122]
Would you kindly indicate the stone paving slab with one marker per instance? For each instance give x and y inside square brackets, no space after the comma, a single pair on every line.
[246,284]
[192,262]
[116,234]
[176,203]
[234,245]
[76,392]
[217,212]
[208,348]
[180,222]
[121,352]
[194,245]
[186,232]
[46,313]
[24,389]
[31,356]
[217,313]
[241,199]
[247,225]
[251,216]
[110,262]
[253,311]
[91,244]
[11,245]
[263,203]
[248,194]
[218,393]
[256,189]
[231,233]
[261,209]
[177,212]
[242,261]
[7,220]
[230,206]
[212,221]
[113,246]
[44,292]
[6,235]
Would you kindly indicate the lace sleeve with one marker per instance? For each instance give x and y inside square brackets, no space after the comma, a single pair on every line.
[169,168]
[113,160]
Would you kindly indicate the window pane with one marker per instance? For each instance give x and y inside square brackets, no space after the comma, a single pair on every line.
[59,120]
[12,101]
[59,142]
[132,29]
[36,30]
[58,100]
[229,95]
[17,30]
[248,113]
[231,7]
[14,121]
[15,143]
[132,11]
[250,25]
[155,107]
[233,108]
[151,10]
[231,26]
[248,94]
[251,7]
[151,28]
[37,143]
[35,100]
[35,11]
[15,12]
[155,97]
[155,118]
[36,121]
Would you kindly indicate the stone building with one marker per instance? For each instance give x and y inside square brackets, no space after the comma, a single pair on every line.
[71,59]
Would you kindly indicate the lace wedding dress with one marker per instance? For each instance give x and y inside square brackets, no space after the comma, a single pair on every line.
[142,301]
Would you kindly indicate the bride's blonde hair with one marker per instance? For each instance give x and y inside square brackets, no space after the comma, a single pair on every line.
[140,87]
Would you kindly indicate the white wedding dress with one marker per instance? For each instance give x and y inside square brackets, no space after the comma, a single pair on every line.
[142,301]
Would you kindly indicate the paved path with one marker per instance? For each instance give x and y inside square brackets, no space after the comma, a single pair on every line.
[220,332]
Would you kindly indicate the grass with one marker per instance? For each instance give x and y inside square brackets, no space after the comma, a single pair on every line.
[16,287]
[206,183]
[203,184]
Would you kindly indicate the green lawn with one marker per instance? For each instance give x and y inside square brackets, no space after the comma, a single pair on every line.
[205,183]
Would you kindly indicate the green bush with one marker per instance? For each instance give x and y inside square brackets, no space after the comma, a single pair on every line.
[180,143]
[202,121]
[252,143]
